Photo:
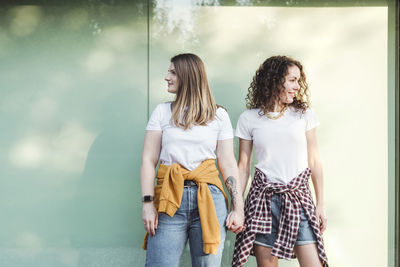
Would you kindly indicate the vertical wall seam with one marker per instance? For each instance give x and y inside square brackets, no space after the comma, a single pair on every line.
[393,127]
[148,59]
[397,89]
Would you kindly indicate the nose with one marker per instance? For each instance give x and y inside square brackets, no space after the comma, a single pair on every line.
[166,78]
[297,86]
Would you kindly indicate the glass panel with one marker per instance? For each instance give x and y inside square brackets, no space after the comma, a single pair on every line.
[73,96]
[344,51]
[74,105]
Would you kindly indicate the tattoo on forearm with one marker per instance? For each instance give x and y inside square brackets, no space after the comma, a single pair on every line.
[231,186]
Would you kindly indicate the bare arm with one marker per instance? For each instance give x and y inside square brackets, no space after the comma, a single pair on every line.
[244,164]
[228,167]
[150,155]
[315,164]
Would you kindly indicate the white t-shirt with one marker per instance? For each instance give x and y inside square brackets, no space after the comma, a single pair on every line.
[192,146]
[280,145]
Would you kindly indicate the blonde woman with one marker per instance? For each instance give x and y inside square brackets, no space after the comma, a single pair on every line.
[281,218]
[188,203]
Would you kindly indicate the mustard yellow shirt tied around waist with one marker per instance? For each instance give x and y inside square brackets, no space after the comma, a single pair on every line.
[168,196]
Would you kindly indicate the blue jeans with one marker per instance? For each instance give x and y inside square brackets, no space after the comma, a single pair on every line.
[165,248]
[304,236]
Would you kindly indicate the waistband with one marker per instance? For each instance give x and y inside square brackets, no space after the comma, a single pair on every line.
[189,183]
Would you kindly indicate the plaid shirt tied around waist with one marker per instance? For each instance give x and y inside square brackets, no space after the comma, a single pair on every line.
[295,195]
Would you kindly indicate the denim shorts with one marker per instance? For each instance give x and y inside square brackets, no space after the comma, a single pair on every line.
[172,234]
[305,235]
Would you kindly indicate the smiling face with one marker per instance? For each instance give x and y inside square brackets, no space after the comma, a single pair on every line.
[172,79]
[290,86]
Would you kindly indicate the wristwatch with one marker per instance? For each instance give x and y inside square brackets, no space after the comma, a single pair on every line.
[147,198]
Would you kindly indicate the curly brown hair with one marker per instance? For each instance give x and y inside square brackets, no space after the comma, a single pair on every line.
[268,83]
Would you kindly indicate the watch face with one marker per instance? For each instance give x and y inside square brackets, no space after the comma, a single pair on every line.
[147,198]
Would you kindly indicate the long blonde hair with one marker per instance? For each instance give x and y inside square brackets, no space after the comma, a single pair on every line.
[194,103]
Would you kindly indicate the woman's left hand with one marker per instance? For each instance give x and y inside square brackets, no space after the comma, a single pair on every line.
[235,221]
[321,218]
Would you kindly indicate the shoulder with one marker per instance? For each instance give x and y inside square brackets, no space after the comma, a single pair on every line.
[249,118]
[160,111]
[221,114]
[309,113]
[158,116]
[221,110]
[251,113]
[219,107]
[308,117]
[300,113]
[162,107]
[310,110]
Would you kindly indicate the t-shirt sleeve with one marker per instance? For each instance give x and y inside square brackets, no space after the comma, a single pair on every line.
[311,119]
[242,129]
[154,123]
[225,126]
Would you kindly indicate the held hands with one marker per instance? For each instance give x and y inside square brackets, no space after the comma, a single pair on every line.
[150,217]
[235,221]
[321,218]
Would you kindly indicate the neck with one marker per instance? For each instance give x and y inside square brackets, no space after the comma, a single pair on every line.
[279,107]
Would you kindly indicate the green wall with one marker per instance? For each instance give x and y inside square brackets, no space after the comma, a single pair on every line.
[73,110]
[77,84]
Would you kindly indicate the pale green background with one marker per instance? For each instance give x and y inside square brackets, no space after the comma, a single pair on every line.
[77,85]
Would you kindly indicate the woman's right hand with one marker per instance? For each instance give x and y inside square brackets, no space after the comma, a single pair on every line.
[150,217]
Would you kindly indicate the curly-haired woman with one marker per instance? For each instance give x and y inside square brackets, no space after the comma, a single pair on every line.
[188,203]
[280,216]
